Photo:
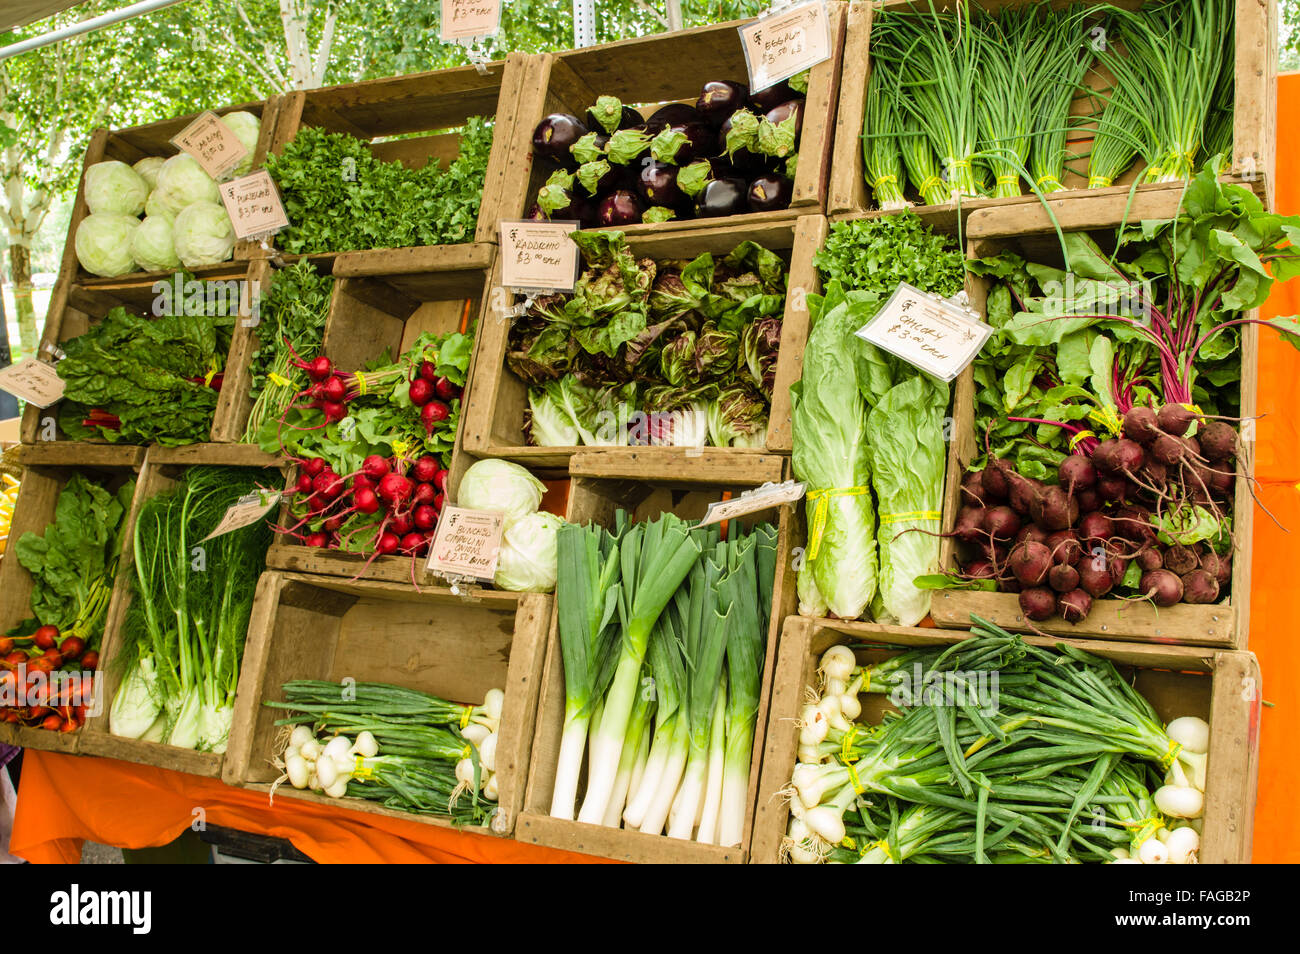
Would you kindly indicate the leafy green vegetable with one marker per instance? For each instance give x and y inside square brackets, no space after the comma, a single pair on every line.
[139,380]
[874,255]
[339,197]
[294,309]
[74,561]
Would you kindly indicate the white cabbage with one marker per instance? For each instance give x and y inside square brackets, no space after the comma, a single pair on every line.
[182,182]
[527,559]
[147,169]
[152,246]
[203,235]
[246,128]
[103,243]
[500,485]
[113,186]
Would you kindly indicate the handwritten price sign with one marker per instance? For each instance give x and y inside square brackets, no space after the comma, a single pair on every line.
[34,381]
[466,543]
[539,255]
[464,19]
[928,333]
[253,204]
[212,143]
[783,44]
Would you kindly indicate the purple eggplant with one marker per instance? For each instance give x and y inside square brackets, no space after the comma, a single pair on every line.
[770,193]
[684,143]
[783,111]
[746,162]
[765,99]
[620,208]
[657,184]
[722,197]
[628,118]
[554,136]
[674,114]
[720,98]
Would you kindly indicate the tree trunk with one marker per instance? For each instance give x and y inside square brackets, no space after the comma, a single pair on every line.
[20,271]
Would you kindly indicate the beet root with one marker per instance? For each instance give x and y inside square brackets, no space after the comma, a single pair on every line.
[1175,419]
[1032,532]
[1054,509]
[1001,522]
[1096,526]
[1180,559]
[1162,586]
[994,481]
[1037,602]
[972,491]
[1074,606]
[1113,489]
[1030,563]
[1065,547]
[969,527]
[980,570]
[1200,586]
[1077,473]
[1218,441]
[1167,450]
[1024,493]
[1063,578]
[1140,425]
[1095,580]
[1150,559]
[1088,500]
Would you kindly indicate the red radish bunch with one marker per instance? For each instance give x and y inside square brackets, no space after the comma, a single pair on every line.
[1060,546]
[403,497]
[30,670]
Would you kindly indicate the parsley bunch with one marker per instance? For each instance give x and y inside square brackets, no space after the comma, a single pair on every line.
[874,255]
[339,197]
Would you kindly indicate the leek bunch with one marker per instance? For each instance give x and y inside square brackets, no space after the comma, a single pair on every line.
[663,631]
[191,600]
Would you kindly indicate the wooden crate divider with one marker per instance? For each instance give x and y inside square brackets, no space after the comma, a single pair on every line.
[672,67]
[1254,132]
[1224,625]
[1221,687]
[44,477]
[595,500]
[318,627]
[160,472]
[493,424]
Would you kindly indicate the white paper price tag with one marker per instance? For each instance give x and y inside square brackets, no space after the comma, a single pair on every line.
[931,334]
[245,512]
[212,143]
[33,381]
[751,501]
[462,19]
[538,256]
[254,206]
[466,543]
[786,42]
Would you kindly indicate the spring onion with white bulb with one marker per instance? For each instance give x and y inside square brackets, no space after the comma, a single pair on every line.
[408,749]
[1001,751]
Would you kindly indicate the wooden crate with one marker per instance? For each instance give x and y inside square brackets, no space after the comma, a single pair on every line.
[406,118]
[595,500]
[652,70]
[1222,625]
[1221,687]
[162,469]
[74,309]
[44,477]
[494,421]
[372,311]
[1254,133]
[317,627]
[130,145]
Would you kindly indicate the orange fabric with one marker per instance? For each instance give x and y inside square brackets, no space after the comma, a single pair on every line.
[65,799]
[1277,552]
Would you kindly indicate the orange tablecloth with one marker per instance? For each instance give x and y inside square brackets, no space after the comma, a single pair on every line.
[64,799]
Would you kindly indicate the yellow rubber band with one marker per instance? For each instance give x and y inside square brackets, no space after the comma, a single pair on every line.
[212,373]
[883,846]
[849,843]
[465,716]
[279,380]
[1080,436]
[1007,180]
[360,772]
[465,752]
[931,182]
[853,777]
[910,515]
[1048,178]
[400,448]
[884,178]
[1099,182]
[1146,829]
[361,383]
[821,507]
[846,746]
[1107,417]
[1168,758]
